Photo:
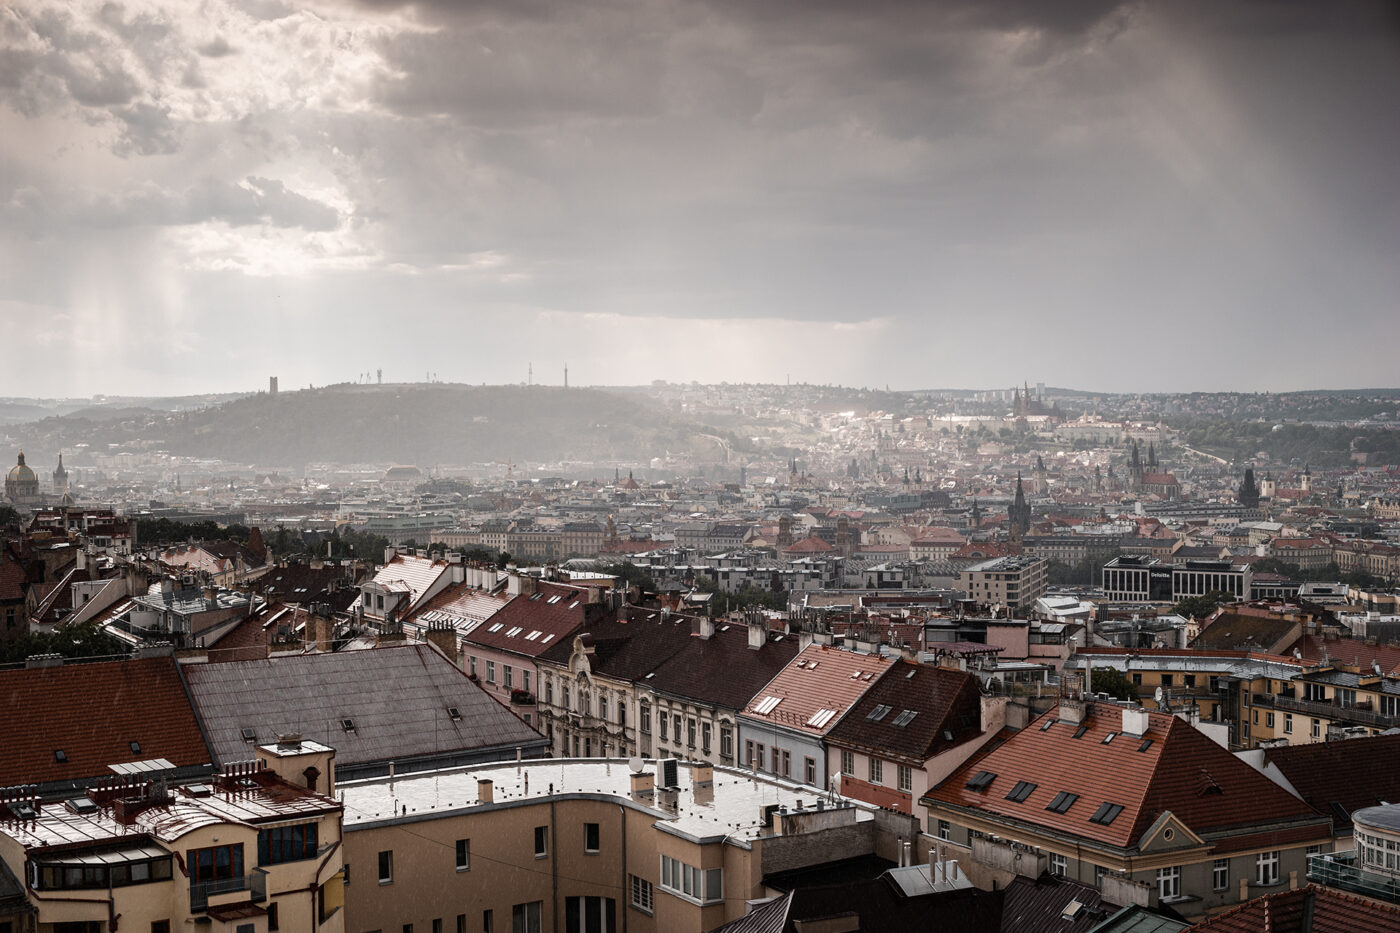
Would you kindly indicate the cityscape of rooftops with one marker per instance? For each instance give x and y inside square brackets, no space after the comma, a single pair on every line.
[639,466]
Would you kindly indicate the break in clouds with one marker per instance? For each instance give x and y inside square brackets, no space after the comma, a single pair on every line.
[1118,196]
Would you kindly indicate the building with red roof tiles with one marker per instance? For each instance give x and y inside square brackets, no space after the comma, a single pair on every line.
[402,585]
[810,546]
[783,729]
[915,726]
[65,724]
[503,652]
[1106,788]
[1312,909]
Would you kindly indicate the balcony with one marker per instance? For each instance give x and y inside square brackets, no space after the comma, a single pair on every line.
[202,892]
[1354,714]
[1341,870]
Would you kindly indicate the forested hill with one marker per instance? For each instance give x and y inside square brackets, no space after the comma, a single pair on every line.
[410,423]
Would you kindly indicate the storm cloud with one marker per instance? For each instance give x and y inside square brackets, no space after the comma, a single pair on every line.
[1126,196]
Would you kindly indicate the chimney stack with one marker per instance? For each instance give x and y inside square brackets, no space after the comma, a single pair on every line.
[485,791]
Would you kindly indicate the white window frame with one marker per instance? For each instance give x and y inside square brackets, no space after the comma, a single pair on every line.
[1169,883]
[1059,864]
[906,778]
[642,895]
[1266,866]
[848,762]
[698,886]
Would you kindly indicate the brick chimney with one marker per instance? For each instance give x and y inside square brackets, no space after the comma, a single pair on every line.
[443,637]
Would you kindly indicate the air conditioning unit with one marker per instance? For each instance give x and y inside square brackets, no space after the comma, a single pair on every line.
[668,773]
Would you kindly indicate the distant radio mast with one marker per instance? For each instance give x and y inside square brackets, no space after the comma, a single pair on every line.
[566,375]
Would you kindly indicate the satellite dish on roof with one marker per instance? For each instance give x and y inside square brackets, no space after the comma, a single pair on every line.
[636,764]
[1159,694]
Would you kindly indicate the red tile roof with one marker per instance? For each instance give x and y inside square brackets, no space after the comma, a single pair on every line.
[1329,910]
[93,712]
[819,679]
[531,625]
[1181,770]
[1317,649]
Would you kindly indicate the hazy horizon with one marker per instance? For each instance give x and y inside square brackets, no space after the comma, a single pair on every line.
[1129,197]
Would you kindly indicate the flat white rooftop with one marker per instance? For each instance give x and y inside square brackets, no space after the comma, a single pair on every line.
[732,806]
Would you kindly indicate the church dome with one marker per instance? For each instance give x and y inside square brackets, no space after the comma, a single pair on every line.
[21,473]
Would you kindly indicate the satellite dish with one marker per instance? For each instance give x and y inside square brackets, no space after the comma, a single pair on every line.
[636,764]
[1159,695]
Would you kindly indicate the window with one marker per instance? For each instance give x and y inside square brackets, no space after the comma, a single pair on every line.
[945,830]
[1266,868]
[1062,802]
[1106,813]
[272,918]
[701,886]
[564,695]
[215,863]
[1316,729]
[1021,791]
[690,733]
[642,894]
[848,763]
[1220,874]
[386,866]
[525,681]
[507,676]
[726,741]
[622,716]
[1188,680]
[1167,680]
[490,672]
[163,926]
[527,918]
[1287,723]
[1058,863]
[488,921]
[677,723]
[549,691]
[809,771]
[1137,679]
[1269,720]
[705,737]
[541,841]
[461,923]
[644,718]
[287,844]
[437,925]
[877,770]
[662,722]
[1169,883]
[464,854]
[590,837]
[905,776]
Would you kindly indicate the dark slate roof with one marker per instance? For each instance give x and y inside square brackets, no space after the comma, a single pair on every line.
[1312,909]
[947,705]
[1037,905]
[93,712]
[1339,778]
[632,647]
[880,905]
[396,698]
[723,670]
[841,871]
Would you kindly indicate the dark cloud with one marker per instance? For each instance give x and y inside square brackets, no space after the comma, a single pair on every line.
[1045,181]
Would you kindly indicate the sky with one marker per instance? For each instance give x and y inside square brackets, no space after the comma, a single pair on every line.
[1136,196]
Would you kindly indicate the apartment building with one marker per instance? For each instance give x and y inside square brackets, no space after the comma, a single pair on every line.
[911,729]
[1013,582]
[783,730]
[255,849]
[1103,789]
[586,845]
[700,690]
